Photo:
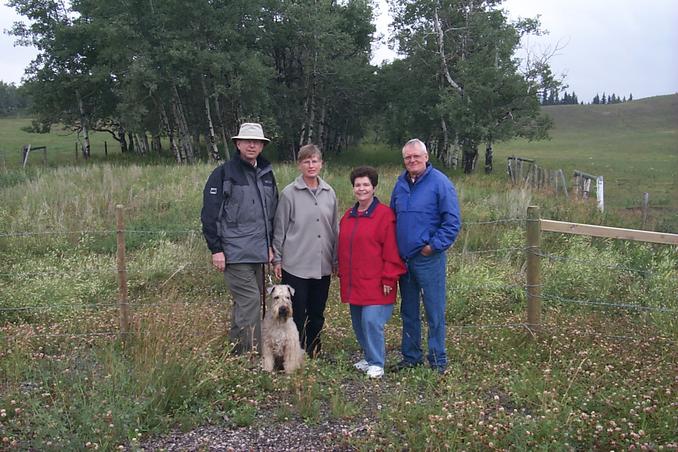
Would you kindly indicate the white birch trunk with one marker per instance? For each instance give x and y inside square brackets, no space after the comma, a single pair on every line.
[83,123]
[212,139]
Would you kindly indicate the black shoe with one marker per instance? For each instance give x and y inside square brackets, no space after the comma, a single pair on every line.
[403,365]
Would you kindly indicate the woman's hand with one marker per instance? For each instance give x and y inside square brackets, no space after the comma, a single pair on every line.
[277,270]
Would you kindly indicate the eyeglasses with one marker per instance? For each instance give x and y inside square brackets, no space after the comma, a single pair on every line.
[310,162]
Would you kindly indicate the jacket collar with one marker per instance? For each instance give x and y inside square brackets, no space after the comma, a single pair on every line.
[299,183]
[262,163]
[368,212]
[406,176]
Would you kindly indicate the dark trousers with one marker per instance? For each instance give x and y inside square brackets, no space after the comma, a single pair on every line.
[308,304]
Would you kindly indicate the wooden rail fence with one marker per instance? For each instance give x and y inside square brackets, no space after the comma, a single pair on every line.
[535,226]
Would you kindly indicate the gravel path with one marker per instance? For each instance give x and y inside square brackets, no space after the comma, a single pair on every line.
[267,433]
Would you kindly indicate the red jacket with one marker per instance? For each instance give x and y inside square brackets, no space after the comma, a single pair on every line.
[368,255]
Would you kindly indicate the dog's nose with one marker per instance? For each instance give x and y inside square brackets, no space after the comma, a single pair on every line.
[283,311]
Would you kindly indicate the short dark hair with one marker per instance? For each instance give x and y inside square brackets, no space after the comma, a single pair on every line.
[365,171]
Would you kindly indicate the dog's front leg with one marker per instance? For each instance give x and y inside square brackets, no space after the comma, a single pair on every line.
[267,361]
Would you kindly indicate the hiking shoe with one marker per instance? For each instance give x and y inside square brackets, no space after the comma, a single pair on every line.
[361,365]
[403,365]
[375,372]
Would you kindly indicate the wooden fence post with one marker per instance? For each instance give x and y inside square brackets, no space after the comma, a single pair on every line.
[533,273]
[122,273]
[646,202]
[562,179]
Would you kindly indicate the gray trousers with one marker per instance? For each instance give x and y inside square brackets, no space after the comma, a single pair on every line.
[245,284]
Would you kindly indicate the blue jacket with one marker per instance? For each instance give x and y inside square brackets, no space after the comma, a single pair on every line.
[427,212]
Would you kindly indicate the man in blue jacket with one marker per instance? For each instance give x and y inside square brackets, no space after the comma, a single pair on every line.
[427,223]
[239,203]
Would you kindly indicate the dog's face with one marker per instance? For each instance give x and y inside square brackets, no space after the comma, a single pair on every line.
[281,301]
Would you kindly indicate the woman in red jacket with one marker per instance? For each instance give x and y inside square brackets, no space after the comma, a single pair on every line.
[369,268]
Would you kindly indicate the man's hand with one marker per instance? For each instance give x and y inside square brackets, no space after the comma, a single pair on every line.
[219,261]
[427,251]
[277,270]
[271,255]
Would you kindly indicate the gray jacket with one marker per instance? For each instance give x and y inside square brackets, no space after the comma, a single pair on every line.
[239,203]
[306,229]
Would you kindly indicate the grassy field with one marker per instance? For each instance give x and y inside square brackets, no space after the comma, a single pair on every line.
[600,375]
[633,145]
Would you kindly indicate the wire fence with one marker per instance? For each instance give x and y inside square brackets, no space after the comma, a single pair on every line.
[167,273]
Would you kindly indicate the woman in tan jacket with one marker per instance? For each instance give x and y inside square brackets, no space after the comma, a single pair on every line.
[305,231]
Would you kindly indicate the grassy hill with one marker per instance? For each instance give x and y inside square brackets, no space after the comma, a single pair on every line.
[633,145]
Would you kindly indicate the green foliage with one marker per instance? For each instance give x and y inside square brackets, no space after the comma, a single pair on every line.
[459,64]
[12,101]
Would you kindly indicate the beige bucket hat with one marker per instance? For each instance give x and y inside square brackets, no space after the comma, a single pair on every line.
[251,131]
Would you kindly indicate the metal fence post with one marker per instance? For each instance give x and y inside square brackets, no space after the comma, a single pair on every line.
[122,273]
[533,274]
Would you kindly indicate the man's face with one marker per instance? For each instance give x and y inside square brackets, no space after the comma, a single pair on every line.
[415,159]
[249,149]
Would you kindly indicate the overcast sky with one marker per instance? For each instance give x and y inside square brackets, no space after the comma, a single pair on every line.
[616,46]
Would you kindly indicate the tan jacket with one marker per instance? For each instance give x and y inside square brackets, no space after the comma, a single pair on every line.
[305,230]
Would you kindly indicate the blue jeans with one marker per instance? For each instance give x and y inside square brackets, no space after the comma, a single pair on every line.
[425,279]
[368,325]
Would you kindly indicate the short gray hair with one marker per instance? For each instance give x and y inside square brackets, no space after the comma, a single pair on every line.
[416,142]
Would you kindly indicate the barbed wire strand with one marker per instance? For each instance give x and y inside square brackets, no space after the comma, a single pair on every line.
[607,304]
[588,261]
[461,328]
[187,231]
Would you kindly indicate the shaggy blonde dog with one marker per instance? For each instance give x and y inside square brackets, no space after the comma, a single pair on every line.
[280,338]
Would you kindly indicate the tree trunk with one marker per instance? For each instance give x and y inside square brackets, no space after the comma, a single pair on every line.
[222,127]
[156,143]
[124,147]
[130,138]
[212,148]
[470,155]
[182,126]
[441,50]
[135,140]
[488,157]
[170,130]
[444,150]
[144,139]
[84,125]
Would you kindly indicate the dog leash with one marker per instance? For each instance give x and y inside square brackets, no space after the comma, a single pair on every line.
[263,289]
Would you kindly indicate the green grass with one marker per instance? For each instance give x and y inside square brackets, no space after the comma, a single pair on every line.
[633,145]
[60,145]
[598,377]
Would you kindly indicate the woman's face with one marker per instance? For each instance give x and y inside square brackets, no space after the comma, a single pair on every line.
[363,190]
[310,167]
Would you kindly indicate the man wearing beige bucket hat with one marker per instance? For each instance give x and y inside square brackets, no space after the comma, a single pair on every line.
[239,203]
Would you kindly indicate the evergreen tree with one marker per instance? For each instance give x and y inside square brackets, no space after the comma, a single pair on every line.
[596,99]
[603,100]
